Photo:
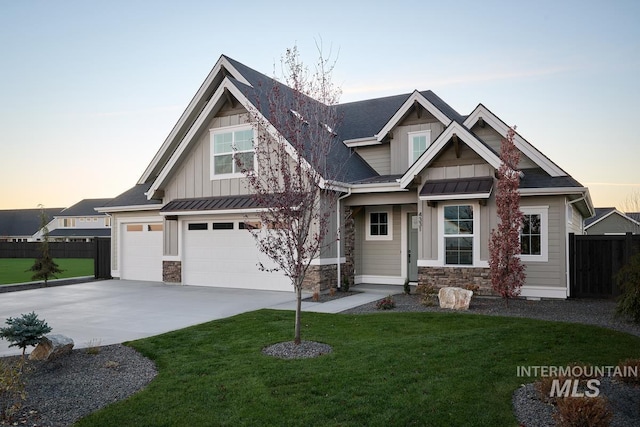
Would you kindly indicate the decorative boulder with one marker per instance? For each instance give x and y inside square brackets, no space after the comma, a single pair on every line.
[52,346]
[455,298]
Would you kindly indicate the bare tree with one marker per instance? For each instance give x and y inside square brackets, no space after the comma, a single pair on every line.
[507,270]
[295,172]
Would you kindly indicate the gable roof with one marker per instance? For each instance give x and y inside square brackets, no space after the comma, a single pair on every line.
[23,222]
[134,198]
[482,112]
[603,213]
[85,207]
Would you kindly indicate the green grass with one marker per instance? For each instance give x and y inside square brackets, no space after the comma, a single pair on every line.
[427,369]
[13,270]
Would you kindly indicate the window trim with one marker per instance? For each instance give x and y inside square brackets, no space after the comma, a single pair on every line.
[212,154]
[389,235]
[441,261]
[410,136]
[543,211]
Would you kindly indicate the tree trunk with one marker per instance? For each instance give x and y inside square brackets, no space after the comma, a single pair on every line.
[296,339]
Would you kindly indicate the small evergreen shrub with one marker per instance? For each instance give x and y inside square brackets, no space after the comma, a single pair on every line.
[407,287]
[345,284]
[583,412]
[628,279]
[386,303]
[12,390]
[23,331]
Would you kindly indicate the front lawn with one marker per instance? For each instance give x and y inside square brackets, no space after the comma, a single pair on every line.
[14,270]
[436,369]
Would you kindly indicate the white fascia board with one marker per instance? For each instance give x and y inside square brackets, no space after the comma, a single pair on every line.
[377,188]
[200,121]
[522,144]
[552,191]
[169,141]
[131,208]
[434,149]
[415,96]
[456,196]
[362,142]
[213,212]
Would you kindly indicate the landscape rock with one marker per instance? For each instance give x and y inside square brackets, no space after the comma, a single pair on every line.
[455,298]
[52,346]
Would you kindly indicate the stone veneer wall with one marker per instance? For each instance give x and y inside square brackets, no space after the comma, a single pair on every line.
[172,271]
[349,238]
[441,277]
[321,277]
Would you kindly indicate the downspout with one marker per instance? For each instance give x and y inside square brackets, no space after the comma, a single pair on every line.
[338,210]
[567,254]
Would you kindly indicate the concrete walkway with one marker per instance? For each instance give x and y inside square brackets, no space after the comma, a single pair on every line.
[114,311]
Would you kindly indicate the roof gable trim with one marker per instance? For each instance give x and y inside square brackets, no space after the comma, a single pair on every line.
[438,145]
[397,117]
[482,112]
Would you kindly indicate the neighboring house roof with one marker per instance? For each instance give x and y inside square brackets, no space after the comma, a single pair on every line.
[85,207]
[633,215]
[133,197]
[80,232]
[602,214]
[23,222]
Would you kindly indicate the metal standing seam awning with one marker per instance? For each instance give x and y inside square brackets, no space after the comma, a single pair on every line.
[459,188]
[208,204]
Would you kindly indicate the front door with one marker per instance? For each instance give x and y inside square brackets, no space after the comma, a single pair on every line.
[412,249]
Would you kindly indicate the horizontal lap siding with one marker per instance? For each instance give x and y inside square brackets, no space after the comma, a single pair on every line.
[378,257]
[553,272]
[378,157]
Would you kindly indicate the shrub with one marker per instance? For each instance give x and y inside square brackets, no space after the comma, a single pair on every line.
[472,287]
[634,364]
[428,294]
[583,412]
[386,303]
[316,296]
[345,284]
[332,291]
[12,390]
[543,385]
[628,279]
[407,287]
[24,331]
[94,347]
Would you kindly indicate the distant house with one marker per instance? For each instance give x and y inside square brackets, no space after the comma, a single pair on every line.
[419,188]
[612,221]
[20,225]
[80,222]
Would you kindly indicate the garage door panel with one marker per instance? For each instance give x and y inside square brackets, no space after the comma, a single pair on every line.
[227,258]
[141,252]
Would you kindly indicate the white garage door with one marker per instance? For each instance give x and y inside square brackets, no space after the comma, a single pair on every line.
[141,251]
[224,254]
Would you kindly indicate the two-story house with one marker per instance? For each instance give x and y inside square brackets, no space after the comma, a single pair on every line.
[418,201]
[79,222]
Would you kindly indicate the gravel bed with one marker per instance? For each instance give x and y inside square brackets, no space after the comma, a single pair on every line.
[289,350]
[63,390]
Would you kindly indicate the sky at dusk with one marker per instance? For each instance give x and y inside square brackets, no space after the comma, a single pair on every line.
[90,90]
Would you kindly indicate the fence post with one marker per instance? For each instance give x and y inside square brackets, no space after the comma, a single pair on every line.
[572,264]
[628,248]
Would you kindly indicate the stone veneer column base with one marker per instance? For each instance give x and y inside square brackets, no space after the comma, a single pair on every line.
[441,277]
[321,277]
[172,271]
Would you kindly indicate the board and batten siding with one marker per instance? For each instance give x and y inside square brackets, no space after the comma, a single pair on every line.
[193,176]
[400,143]
[378,257]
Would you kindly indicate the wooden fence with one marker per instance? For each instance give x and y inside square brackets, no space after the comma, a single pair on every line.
[594,261]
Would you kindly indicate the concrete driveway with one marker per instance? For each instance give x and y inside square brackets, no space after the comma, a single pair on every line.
[114,311]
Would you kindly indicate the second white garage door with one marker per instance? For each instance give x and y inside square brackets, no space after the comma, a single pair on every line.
[223,254]
[141,251]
